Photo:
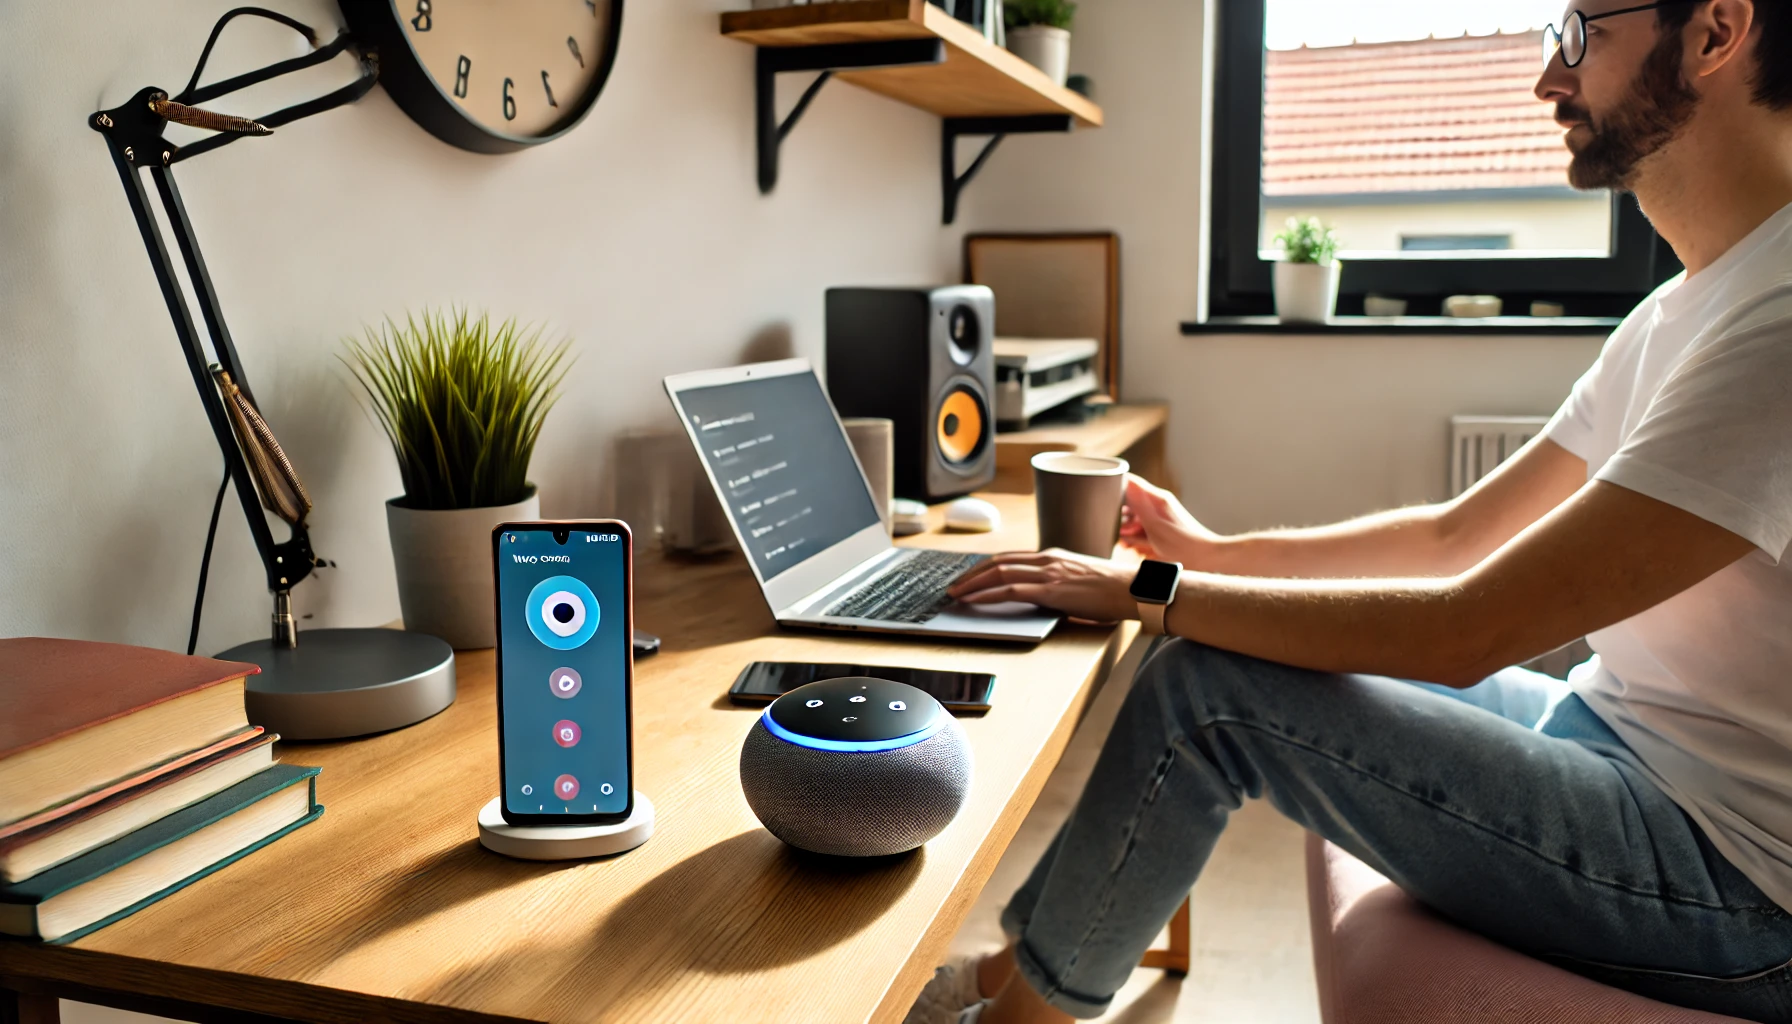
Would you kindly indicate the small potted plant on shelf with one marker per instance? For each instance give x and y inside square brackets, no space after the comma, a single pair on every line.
[1306,277]
[462,402]
[1038,32]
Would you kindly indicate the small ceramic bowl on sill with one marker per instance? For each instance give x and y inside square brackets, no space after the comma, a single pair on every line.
[1472,306]
[1382,305]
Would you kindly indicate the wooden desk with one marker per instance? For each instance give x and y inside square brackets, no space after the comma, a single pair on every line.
[388,909]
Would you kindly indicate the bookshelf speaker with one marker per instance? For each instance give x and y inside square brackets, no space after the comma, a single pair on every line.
[921,358]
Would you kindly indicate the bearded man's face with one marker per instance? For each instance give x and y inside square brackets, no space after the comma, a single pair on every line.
[1608,146]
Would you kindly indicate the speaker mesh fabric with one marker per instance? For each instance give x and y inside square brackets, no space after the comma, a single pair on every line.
[856,804]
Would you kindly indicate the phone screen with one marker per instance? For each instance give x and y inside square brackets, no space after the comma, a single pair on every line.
[765,681]
[564,672]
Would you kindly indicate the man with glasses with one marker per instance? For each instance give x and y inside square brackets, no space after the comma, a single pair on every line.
[1633,824]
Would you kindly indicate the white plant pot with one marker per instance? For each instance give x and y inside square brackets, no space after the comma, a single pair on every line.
[444,562]
[1306,293]
[1044,47]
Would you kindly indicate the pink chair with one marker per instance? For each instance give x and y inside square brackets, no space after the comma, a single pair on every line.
[1382,958]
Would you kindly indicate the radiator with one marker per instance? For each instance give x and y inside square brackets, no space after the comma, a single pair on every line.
[1479,443]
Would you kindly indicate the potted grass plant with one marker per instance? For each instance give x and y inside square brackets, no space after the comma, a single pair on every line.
[1038,32]
[462,402]
[1306,277]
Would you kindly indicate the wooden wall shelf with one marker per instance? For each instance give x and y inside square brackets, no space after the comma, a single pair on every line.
[914,53]
[1134,432]
[978,78]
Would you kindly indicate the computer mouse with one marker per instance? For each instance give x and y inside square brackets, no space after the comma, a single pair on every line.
[907,517]
[972,515]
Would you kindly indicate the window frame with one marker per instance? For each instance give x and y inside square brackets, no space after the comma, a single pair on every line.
[1240,277]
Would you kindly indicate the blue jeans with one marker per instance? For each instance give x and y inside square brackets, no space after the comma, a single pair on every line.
[1508,807]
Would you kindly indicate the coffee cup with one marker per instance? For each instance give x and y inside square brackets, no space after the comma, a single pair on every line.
[1078,499]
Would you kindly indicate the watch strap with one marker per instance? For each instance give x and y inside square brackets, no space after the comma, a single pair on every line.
[1151,616]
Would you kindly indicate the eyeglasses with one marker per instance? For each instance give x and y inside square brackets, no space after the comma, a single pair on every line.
[1571,39]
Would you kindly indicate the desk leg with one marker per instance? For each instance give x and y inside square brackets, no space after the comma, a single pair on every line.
[26,1008]
[1174,960]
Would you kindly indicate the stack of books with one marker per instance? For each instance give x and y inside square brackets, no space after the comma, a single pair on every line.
[126,774]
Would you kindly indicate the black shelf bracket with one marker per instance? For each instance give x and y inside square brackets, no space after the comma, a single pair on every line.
[952,183]
[826,59]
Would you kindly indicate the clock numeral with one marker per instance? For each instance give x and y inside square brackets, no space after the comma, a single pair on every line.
[545,87]
[461,71]
[509,102]
[573,45]
[422,21]
[593,5]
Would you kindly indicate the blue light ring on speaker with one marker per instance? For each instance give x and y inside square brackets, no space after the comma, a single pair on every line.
[852,746]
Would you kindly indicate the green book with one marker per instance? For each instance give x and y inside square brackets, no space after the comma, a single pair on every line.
[124,876]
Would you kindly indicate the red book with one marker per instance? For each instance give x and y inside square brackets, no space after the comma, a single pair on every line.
[84,716]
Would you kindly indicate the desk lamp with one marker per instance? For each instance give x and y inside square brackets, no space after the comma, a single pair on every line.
[324,683]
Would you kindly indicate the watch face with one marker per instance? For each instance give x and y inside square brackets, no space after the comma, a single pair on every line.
[515,68]
[1156,582]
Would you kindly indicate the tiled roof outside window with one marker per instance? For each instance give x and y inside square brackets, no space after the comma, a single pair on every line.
[1421,116]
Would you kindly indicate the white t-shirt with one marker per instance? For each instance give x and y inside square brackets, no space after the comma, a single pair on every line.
[1690,403]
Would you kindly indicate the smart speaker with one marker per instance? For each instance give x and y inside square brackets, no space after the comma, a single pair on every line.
[856,767]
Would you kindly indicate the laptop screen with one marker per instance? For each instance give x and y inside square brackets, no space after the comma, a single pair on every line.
[782,466]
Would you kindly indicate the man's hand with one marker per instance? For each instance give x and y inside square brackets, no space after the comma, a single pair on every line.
[1077,585]
[1154,523]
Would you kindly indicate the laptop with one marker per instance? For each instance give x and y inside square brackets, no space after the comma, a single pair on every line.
[778,458]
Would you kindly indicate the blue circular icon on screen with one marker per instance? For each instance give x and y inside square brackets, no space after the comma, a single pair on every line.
[562,612]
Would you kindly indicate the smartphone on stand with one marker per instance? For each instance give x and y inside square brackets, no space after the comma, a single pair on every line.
[565,595]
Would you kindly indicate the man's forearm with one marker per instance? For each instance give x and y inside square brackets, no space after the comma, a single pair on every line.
[1400,542]
[1422,540]
[1604,555]
[1409,628]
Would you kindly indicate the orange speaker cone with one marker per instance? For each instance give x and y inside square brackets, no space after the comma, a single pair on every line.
[958,426]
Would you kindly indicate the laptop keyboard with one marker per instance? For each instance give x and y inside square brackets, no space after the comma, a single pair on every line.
[914,591]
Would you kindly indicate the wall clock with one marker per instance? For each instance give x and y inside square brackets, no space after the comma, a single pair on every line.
[491,75]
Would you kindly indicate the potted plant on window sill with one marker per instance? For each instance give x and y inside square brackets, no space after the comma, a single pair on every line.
[1306,277]
[1038,32]
[462,403]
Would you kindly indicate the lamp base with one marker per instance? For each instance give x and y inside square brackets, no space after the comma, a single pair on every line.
[564,842]
[339,683]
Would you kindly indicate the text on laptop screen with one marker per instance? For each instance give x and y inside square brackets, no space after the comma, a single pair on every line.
[782,466]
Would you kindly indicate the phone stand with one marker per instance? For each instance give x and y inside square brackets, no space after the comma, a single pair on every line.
[565,842]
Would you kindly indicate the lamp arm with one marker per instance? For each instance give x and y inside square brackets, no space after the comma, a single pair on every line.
[134,136]
[133,133]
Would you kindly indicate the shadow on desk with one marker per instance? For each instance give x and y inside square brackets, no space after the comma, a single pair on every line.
[747,904]
[464,873]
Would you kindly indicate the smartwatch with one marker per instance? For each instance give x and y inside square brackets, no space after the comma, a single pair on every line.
[1154,587]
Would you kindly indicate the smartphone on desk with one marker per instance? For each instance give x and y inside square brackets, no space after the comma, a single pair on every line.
[565,671]
[765,681]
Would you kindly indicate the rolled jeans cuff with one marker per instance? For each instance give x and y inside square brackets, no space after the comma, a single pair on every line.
[1080,1006]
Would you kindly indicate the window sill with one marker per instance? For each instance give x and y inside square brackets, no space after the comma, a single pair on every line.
[1408,325]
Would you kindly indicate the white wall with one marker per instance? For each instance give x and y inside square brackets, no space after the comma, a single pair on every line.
[1265,430]
[641,235]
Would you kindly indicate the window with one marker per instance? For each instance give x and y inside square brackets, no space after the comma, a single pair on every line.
[1410,128]
[1452,243]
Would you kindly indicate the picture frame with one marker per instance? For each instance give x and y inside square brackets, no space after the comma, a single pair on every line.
[1054,285]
